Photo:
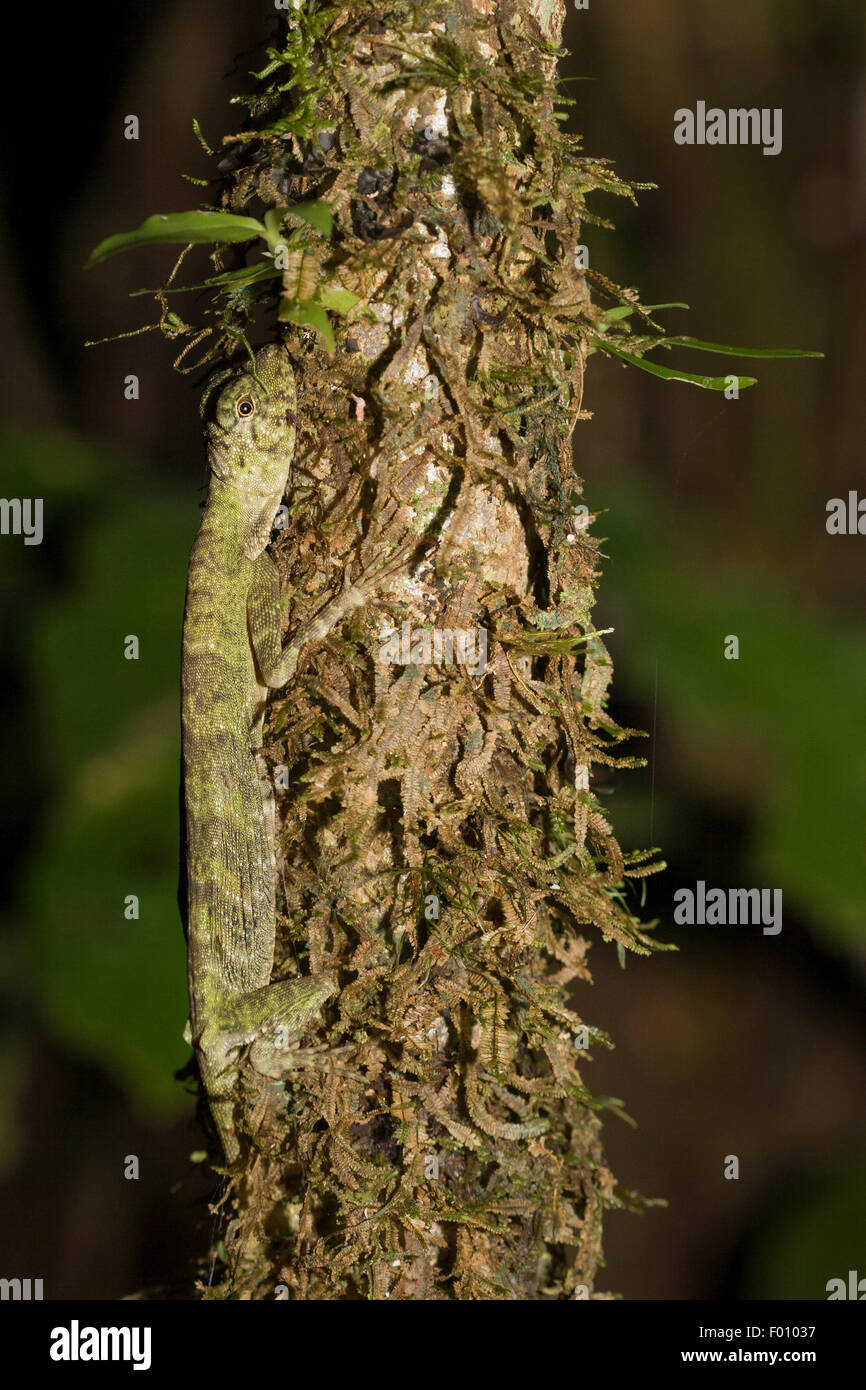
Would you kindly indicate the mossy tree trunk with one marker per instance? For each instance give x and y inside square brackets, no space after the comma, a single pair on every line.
[442,852]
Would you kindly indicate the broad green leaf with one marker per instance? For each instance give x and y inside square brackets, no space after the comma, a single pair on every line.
[708,383]
[180,228]
[309,315]
[341,301]
[700,346]
[316,214]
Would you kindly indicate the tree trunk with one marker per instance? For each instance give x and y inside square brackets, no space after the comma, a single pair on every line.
[442,852]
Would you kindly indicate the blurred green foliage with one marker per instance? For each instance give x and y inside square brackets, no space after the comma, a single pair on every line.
[807,1241]
[784,707]
[107,750]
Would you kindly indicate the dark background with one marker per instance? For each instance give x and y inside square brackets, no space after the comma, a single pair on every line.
[715,511]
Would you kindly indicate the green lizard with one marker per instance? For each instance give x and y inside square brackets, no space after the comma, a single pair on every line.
[232,655]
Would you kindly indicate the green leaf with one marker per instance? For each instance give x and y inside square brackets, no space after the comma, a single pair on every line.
[309,315]
[624,311]
[700,346]
[341,301]
[273,222]
[180,228]
[317,214]
[240,278]
[708,383]
[229,279]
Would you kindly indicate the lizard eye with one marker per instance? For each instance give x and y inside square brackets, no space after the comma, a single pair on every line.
[245,407]
[291,418]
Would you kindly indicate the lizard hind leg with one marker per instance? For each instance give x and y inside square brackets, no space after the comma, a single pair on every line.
[292,1005]
[267,1018]
[287,1004]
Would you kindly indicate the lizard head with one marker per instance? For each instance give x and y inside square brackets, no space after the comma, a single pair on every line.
[251,438]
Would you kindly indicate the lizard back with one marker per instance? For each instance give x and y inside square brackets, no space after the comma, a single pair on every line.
[231,910]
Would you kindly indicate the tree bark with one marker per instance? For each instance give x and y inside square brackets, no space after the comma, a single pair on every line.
[442,852]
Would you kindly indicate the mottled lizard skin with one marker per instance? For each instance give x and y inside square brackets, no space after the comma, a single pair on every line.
[231,656]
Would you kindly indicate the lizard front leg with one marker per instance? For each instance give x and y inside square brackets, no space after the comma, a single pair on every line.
[276,663]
